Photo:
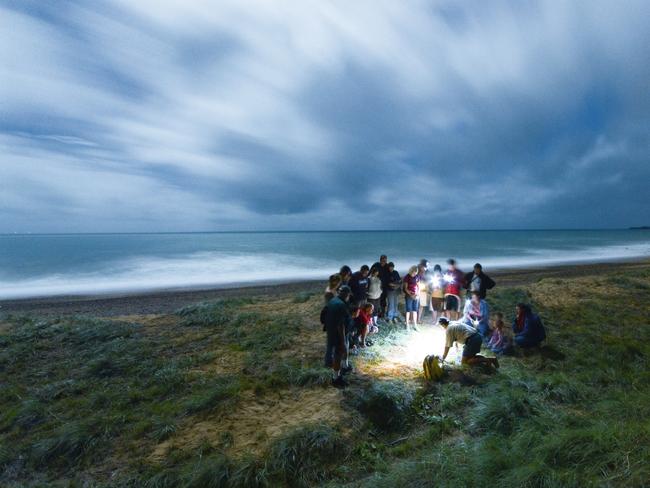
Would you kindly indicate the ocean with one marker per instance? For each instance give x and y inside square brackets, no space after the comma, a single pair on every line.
[86,264]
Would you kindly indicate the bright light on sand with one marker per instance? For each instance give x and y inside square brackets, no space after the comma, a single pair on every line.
[415,345]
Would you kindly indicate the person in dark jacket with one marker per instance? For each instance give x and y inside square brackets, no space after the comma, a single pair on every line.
[337,321]
[527,327]
[359,285]
[477,280]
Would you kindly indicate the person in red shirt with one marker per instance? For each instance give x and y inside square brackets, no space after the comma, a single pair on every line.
[411,288]
[454,280]
[366,325]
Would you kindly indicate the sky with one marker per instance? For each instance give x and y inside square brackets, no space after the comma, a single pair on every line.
[124,116]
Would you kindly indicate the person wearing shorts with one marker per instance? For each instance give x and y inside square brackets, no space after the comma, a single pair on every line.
[470,338]
[411,288]
[453,280]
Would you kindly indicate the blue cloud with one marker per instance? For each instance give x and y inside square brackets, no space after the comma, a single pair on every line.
[148,116]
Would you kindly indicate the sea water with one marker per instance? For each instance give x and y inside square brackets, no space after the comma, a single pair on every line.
[43,265]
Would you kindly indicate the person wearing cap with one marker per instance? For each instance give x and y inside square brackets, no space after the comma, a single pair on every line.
[337,321]
[477,314]
[477,280]
[467,335]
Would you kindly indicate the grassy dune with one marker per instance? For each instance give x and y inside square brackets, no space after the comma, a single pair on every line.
[232,393]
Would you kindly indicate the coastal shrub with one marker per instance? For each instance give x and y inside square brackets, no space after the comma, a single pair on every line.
[250,473]
[67,446]
[386,404]
[305,456]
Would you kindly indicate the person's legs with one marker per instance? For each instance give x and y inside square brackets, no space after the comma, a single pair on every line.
[526,342]
[363,332]
[392,306]
[382,304]
[471,351]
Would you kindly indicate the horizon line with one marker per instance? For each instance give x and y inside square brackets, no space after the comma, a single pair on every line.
[317,231]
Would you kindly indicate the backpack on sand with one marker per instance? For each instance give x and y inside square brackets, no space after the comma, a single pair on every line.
[432,369]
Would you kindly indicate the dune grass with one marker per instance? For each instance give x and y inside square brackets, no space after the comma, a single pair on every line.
[84,401]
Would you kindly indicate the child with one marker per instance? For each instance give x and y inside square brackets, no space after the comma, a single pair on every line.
[499,342]
[374,292]
[365,324]
[353,330]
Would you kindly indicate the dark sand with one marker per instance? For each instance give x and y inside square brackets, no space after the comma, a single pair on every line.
[161,302]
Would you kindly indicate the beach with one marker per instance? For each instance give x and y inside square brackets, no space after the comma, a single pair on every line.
[160,302]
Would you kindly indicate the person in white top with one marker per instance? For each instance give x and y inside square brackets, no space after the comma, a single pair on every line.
[470,338]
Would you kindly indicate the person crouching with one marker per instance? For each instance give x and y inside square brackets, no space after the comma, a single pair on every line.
[470,338]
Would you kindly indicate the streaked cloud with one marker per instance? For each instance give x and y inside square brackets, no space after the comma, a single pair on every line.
[126,116]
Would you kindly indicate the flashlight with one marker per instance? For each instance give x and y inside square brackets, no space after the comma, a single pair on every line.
[448,277]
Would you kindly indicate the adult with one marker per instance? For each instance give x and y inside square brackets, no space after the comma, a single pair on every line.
[392,297]
[346,274]
[477,280]
[467,335]
[359,284]
[454,280]
[411,288]
[337,319]
[527,327]
[425,288]
[384,276]
[374,291]
[477,314]
[437,292]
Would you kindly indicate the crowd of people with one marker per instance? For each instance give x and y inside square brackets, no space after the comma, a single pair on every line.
[358,303]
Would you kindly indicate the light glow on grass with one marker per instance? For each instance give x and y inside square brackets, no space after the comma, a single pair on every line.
[412,347]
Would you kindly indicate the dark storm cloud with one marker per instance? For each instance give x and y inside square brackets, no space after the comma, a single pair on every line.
[226,115]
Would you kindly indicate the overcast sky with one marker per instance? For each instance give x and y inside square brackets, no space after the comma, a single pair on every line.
[155,115]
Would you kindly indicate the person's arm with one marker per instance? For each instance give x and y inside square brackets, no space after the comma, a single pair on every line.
[489,282]
[444,354]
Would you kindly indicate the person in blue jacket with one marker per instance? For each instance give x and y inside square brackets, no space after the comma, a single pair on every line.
[527,327]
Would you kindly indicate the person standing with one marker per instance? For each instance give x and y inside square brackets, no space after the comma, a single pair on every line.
[359,285]
[384,275]
[454,280]
[425,289]
[337,320]
[477,280]
[437,292]
[411,288]
[374,293]
[392,297]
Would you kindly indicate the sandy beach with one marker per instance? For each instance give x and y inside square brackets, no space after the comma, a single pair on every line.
[160,302]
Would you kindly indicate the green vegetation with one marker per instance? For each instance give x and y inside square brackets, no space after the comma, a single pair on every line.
[87,402]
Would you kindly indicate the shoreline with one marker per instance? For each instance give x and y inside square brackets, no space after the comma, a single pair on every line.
[167,301]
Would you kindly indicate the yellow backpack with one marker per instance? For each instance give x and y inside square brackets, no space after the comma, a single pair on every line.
[432,369]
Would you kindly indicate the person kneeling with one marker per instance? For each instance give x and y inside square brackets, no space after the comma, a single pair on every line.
[469,336]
